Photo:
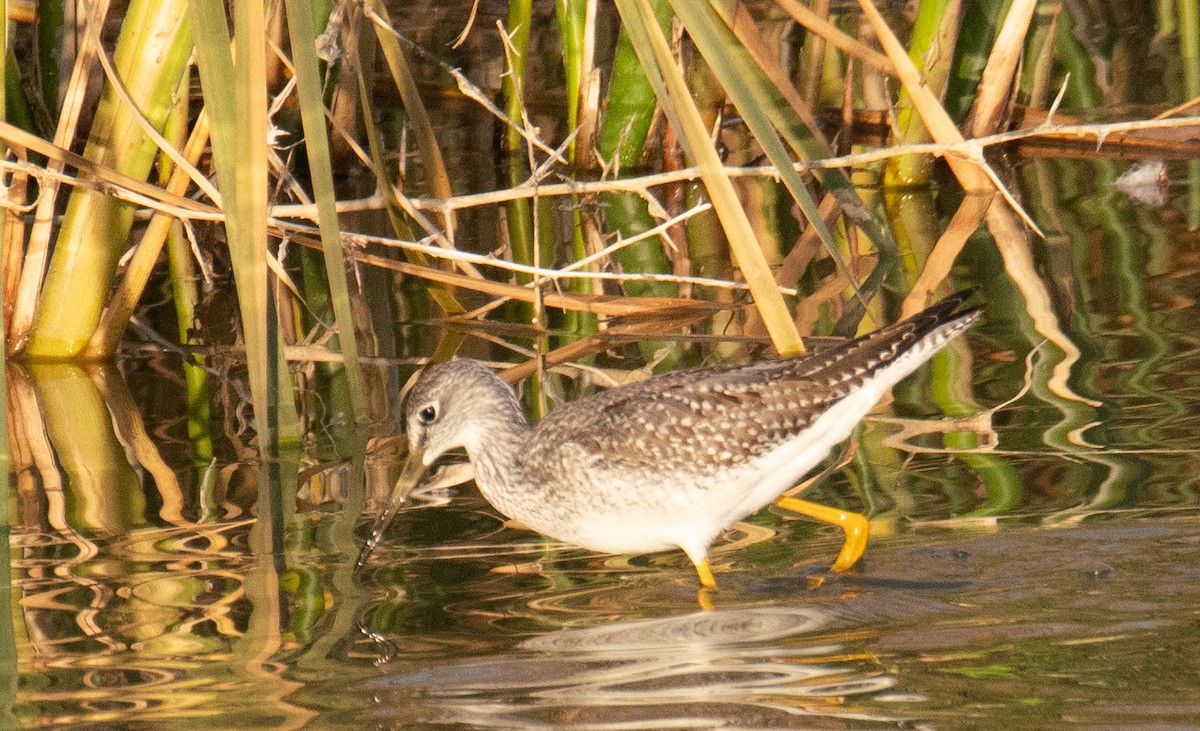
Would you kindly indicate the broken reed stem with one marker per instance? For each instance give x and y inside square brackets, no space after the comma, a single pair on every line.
[98,177]
[968,149]
[356,241]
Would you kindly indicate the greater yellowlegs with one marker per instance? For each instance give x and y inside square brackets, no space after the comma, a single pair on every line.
[671,461]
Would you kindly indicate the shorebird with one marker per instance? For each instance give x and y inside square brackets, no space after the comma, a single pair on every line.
[671,461]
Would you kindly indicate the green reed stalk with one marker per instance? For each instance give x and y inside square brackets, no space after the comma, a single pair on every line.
[629,110]
[572,16]
[931,49]
[1073,58]
[1189,44]
[520,212]
[976,34]
[1034,85]
[577,61]
[303,33]
[1165,22]
[235,95]
[674,96]
[527,227]
[1189,47]
[186,296]
[153,49]
[54,57]
[631,102]
[17,109]
[780,122]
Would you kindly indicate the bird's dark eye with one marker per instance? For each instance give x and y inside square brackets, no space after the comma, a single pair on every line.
[428,414]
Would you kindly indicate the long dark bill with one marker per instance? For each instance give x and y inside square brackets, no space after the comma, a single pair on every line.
[410,477]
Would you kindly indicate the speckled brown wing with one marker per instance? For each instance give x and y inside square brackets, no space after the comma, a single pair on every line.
[704,420]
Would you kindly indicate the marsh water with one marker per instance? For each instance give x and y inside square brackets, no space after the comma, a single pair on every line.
[1035,559]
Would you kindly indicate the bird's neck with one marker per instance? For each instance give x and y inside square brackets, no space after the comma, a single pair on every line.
[500,439]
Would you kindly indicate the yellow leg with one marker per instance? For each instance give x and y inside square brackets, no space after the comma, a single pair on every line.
[705,573]
[707,584]
[854,524]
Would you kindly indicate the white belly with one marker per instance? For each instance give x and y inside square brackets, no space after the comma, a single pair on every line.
[691,518]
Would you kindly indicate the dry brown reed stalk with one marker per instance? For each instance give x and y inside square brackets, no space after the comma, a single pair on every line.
[936,269]
[1107,133]
[131,285]
[172,204]
[432,212]
[997,88]
[822,28]
[643,325]
[744,27]
[596,304]
[37,249]
[475,94]
[941,128]
[962,225]
[96,177]
[14,198]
